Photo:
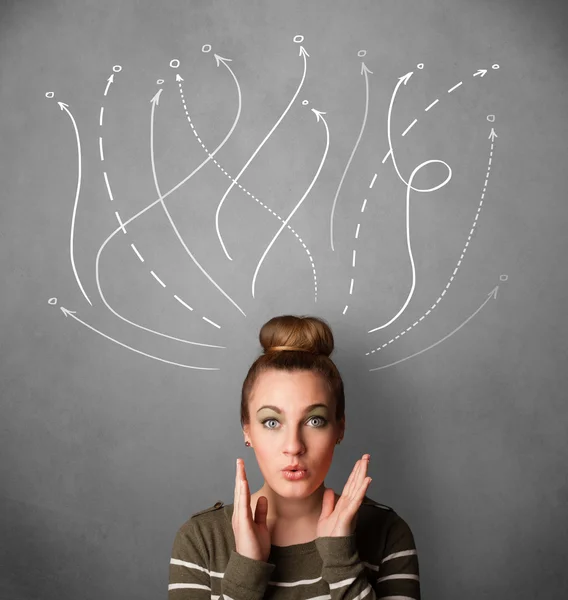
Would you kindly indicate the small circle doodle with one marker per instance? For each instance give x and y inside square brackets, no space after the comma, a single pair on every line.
[174,63]
[49,95]
[203,48]
[362,53]
[298,39]
[52,301]
[117,68]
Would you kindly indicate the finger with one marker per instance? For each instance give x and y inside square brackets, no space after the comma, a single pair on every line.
[237,489]
[353,479]
[261,510]
[245,496]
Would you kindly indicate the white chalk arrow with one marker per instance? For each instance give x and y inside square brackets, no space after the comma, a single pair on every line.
[304,54]
[364,71]
[109,81]
[156,99]
[481,72]
[318,116]
[72,313]
[223,60]
[150,206]
[64,107]
[168,215]
[492,294]
[492,135]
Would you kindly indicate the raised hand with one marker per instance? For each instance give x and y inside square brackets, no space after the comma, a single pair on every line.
[341,520]
[252,537]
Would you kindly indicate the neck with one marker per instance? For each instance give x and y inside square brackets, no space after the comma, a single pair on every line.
[290,509]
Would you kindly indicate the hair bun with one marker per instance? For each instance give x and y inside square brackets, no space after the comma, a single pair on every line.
[289,333]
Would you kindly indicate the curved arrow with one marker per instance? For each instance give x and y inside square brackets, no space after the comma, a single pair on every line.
[318,114]
[169,362]
[404,80]
[492,294]
[271,212]
[140,213]
[64,106]
[492,137]
[408,188]
[304,54]
[364,71]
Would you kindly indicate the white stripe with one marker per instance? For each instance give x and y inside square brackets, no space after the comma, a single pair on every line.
[186,306]
[399,554]
[182,586]
[431,105]
[101,147]
[398,576]
[101,118]
[209,321]
[342,583]
[455,86]
[137,253]
[408,128]
[108,186]
[158,279]
[373,182]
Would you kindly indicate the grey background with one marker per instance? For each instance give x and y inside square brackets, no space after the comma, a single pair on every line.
[104,452]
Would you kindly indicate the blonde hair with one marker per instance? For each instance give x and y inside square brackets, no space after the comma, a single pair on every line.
[295,343]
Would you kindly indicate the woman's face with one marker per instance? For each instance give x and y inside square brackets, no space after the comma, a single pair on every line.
[296,434]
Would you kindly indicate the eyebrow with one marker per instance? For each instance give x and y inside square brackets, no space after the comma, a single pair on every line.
[279,411]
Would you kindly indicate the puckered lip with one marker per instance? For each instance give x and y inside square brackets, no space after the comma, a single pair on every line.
[297,467]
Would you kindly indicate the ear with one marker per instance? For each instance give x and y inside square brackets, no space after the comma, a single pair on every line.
[341,426]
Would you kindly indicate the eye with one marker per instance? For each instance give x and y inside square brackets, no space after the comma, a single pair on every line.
[322,419]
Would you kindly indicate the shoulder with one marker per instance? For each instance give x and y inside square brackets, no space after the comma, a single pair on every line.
[370,502]
[378,517]
[199,521]
[203,516]
[197,533]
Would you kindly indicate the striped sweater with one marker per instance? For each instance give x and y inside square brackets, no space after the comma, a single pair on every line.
[378,561]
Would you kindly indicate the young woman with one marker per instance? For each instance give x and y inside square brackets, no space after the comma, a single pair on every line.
[294,538]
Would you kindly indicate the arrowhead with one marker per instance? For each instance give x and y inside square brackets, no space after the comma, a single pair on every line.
[303,51]
[67,312]
[481,72]
[406,77]
[221,59]
[179,77]
[494,292]
[492,135]
[62,104]
[156,98]
[111,78]
[318,113]
[365,69]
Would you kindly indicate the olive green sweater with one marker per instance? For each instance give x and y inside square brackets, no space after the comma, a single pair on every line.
[378,561]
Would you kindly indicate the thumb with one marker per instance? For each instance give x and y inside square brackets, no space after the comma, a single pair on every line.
[261,510]
[328,502]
